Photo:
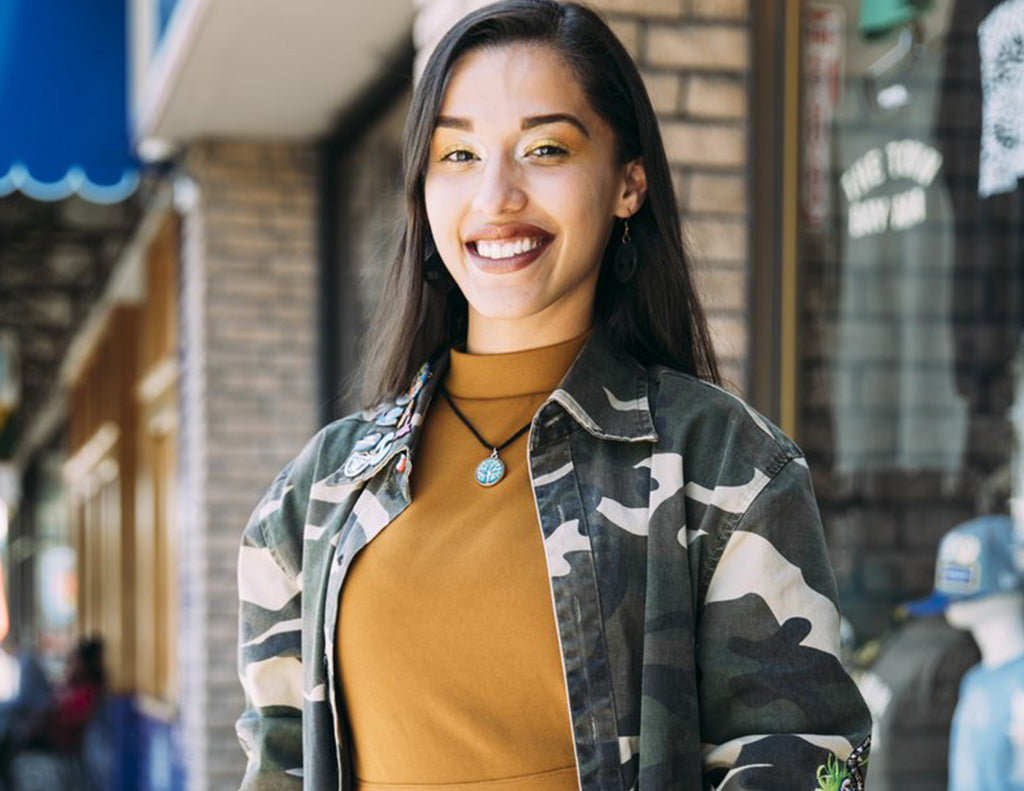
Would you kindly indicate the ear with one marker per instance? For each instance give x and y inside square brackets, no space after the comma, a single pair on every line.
[634,188]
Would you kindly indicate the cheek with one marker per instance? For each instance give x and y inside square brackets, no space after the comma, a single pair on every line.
[581,192]
[443,201]
[435,203]
[586,206]
[430,197]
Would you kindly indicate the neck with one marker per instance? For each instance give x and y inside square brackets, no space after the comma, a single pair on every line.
[486,335]
[999,640]
[997,624]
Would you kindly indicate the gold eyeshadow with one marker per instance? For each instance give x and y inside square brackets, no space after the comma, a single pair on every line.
[565,149]
[449,149]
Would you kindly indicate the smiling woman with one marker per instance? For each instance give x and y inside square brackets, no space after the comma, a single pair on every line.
[521,191]
[606,572]
[536,106]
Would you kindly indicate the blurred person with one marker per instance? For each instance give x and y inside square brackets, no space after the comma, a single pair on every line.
[606,571]
[27,694]
[52,753]
[61,726]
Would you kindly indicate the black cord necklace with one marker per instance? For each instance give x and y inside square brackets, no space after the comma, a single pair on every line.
[492,469]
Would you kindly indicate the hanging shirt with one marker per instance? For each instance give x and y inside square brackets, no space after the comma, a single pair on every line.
[988,283]
[896,406]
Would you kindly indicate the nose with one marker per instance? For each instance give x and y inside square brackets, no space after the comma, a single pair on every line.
[499,190]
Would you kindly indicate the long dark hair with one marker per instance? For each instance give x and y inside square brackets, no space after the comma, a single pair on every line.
[656,317]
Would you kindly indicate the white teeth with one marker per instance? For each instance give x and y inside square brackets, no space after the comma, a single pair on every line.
[496,250]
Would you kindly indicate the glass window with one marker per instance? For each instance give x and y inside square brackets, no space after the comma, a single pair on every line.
[911,308]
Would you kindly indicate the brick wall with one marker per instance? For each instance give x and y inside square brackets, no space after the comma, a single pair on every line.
[248,404]
[694,56]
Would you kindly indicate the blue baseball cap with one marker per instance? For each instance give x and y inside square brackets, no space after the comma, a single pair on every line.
[977,558]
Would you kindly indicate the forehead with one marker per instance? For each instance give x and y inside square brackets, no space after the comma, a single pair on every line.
[512,79]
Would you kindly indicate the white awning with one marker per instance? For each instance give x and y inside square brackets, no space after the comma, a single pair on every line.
[237,68]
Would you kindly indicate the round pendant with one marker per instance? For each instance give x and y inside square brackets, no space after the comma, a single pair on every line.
[490,471]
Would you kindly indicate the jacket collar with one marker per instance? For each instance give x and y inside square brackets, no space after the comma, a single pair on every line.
[604,390]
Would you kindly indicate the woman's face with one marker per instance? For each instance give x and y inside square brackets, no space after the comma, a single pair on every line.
[521,190]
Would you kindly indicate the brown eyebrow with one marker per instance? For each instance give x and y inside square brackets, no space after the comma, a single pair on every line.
[449,122]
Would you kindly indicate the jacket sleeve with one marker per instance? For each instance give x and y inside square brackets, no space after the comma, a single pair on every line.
[270,642]
[778,710]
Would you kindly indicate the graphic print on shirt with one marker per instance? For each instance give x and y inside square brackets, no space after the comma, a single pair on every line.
[870,214]
[1001,45]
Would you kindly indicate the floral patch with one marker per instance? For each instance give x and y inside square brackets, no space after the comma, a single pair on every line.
[835,775]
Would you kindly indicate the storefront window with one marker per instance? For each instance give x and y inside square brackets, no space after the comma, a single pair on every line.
[911,314]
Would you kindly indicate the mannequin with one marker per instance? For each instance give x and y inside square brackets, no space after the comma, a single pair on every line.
[977,574]
[996,623]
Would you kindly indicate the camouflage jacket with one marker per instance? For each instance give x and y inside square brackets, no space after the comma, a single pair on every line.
[695,604]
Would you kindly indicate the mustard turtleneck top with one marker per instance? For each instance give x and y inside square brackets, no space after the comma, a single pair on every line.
[449,668]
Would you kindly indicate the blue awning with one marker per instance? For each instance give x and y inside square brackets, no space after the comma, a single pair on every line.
[63,100]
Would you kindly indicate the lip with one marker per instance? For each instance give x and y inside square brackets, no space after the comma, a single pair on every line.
[505,265]
[512,230]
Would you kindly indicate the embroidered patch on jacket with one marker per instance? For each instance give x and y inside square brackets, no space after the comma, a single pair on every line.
[372,449]
[835,775]
[856,762]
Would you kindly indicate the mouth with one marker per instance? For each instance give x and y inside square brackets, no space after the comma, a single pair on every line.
[507,255]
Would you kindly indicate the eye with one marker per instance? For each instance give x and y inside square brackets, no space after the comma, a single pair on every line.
[457,155]
[548,151]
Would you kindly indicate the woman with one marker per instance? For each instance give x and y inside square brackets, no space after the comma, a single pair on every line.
[61,726]
[569,559]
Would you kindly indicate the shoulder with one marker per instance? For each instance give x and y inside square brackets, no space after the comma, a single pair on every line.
[325,454]
[320,457]
[714,426]
[347,451]
[278,520]
[977,686]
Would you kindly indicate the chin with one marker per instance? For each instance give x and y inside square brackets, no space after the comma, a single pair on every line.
[506,314]
[499,307]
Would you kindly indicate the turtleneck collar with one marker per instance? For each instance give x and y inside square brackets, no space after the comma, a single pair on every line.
[510,374]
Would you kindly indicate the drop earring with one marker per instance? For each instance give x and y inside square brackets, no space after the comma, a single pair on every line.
[625,257]
[434,271]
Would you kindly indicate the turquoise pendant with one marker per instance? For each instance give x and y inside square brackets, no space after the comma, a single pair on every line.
[490,470]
